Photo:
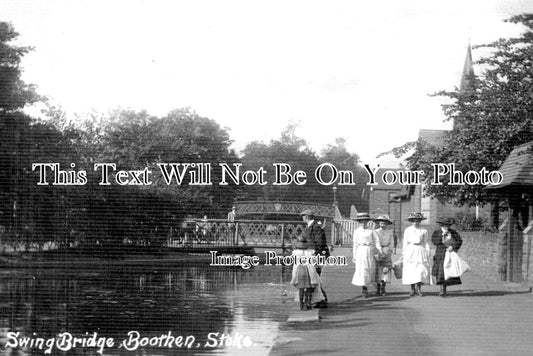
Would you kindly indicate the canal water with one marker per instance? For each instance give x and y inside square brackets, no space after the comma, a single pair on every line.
[196,310]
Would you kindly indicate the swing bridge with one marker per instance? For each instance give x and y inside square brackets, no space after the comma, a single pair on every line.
[253,228]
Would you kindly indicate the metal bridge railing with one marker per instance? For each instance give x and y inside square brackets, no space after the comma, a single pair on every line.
[221,233]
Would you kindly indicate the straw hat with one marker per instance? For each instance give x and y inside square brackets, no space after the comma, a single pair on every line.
[307,212]
[362,216]
[384,218]
[446,221]
[416,216]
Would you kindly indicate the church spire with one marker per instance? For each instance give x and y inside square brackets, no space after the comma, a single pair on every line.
[468,71]
[467,80]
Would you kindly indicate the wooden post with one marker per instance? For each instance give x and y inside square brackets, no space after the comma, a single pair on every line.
[283,239]
[236,238]
[515,242]
[502,249]
[509,244]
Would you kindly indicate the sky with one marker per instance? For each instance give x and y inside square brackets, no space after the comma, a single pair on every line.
[360,70]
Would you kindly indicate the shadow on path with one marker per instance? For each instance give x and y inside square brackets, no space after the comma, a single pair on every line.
[485,293]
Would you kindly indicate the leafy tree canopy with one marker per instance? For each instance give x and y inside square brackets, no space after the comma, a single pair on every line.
[492,116]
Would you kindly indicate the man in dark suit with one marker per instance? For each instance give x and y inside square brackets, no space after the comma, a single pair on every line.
[315,233]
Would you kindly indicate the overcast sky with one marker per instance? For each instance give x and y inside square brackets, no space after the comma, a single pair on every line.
[355,69]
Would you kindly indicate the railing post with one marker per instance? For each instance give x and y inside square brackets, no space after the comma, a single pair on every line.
[236,238]
[283,239]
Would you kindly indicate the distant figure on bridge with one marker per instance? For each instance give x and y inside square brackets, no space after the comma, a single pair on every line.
[315,234]
[202,229]
[231,226]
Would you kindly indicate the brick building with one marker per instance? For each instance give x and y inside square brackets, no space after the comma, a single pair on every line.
[399,201]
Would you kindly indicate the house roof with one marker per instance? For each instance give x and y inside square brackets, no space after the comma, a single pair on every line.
[517,169]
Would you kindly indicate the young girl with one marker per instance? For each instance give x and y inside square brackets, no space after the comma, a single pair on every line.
[304,276]
[384,264]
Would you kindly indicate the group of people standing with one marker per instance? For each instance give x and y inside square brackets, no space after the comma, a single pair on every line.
[306,277]
[373,247]
[372,254]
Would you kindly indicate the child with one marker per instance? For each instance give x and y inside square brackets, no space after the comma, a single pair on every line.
[384,260]
[304,276]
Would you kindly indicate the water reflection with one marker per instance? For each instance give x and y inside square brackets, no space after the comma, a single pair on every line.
[187,301]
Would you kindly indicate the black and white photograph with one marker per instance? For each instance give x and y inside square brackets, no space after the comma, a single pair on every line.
[268,178]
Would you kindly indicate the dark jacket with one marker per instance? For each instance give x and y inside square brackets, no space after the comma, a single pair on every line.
[440,252]
[317,235]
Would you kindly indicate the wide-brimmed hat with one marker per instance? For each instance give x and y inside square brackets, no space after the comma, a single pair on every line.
[301,243]
[416,216]
[363,216]
[307,212]
[446,221]
[384,218]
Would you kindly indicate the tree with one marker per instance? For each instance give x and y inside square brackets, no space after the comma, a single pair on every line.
[342,159]
[492,115]
[291,150]
[16,138]
[135,140]
[295,151]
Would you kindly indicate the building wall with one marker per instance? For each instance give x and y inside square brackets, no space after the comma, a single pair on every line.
[379,199]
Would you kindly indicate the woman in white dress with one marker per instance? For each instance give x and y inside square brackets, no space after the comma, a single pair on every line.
[365,244]
[415,252]
[384,262]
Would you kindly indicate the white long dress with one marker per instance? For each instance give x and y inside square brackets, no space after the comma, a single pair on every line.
[365,244]
[415,256]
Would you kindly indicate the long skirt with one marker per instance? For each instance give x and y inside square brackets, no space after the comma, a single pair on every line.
[304,276]
[438,269]
[415,265]
[383,268]
[365,267]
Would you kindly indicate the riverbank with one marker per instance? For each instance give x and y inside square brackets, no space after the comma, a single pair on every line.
[105,257]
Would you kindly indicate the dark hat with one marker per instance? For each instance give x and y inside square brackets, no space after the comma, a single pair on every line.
[307,212]
[445,221]
[384,218]
[301,243]
[363,216]
[416,216]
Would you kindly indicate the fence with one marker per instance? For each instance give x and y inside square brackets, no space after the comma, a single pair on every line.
[220,233]
[343,231]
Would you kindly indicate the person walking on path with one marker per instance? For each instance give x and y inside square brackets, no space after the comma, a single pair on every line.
[304,276]
[315,234]
[384,261]
[415,252]
[446,239]
[232,229]
[365,244]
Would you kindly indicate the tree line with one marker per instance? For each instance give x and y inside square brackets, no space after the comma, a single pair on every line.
[491,115]
[31,214]
[495,114]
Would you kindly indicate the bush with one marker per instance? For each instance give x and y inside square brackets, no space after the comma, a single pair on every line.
[468,222]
